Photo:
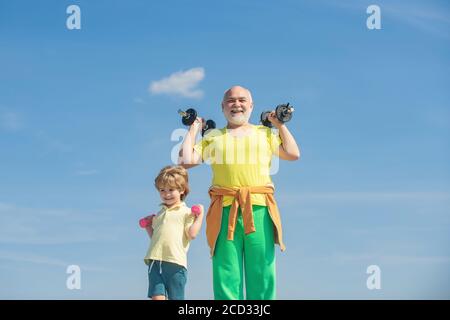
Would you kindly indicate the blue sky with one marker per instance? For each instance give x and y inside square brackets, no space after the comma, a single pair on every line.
[82,137]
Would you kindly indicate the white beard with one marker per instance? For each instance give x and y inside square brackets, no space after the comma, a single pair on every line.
[238,120]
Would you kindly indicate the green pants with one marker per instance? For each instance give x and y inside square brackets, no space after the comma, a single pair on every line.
[252,255]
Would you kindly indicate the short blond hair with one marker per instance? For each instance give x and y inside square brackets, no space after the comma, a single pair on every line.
[175,177]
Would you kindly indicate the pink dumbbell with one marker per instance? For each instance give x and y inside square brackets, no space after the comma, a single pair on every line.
[145,222]
[195,210]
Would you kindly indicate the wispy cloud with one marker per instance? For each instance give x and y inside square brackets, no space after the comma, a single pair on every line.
[423,16]
[427,18]
[182,83]
[30,257]
[86,172]
[53,143]
[384,259]
[11,121]
[355,197]
[375,196]
[138,100]
[24,225]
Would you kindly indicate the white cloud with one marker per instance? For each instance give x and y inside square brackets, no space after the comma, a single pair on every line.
[181,83]
[11,121]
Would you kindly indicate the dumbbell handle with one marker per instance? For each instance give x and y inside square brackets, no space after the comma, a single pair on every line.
[182,113]
[290,110]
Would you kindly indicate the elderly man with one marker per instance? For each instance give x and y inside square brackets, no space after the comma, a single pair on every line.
[243,223]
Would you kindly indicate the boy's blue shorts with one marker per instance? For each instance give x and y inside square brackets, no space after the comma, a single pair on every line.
[166,279]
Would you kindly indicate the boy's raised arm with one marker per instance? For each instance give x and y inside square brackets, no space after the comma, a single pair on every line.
[196,226]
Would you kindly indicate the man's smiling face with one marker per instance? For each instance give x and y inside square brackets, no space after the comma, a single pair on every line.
[237,105]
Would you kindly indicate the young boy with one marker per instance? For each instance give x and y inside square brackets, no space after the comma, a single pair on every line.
[171,230]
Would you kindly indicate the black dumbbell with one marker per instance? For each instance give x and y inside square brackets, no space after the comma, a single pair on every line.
[210,124]
[283,112]
[188,117]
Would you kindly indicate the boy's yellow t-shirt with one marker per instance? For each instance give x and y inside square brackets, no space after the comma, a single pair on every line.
[170,241]
[240,161]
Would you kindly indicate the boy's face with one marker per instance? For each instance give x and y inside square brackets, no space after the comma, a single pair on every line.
[170,196]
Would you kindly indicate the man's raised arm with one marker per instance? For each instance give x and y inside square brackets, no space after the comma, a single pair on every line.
[188,157]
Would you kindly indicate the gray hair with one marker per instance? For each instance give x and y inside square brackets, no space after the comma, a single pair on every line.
[248,92]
